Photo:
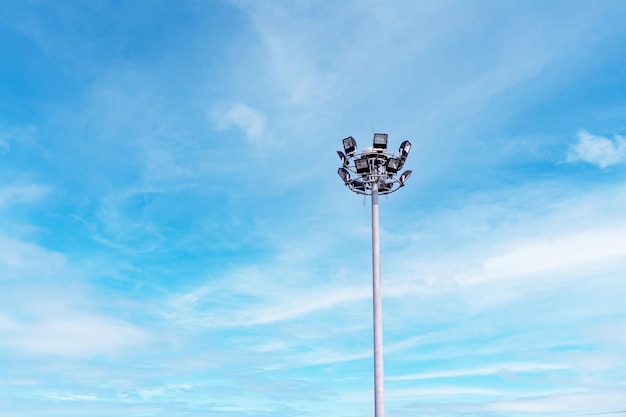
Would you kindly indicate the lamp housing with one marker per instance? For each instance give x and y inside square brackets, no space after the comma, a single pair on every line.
[404,176]
[344,158]
[394,165]
[380,141]
[344,174]
[357,185]
[349,145]
[405,147]
[362,166]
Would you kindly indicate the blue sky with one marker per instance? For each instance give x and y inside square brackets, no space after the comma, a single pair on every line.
[175,241]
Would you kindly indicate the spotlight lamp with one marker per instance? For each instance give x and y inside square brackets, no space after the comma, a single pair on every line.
[394,165]
[344,159]
[344,174]
[357,185]
[374,168]
[380,141]
[404,176]
[405,147]
[349,145]
[362,165]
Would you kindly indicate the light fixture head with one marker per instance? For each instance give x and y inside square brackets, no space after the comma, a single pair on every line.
[405,147]
[380,141]
[404,176]
[357,185]
[344,174]
[349,145]
[394,165]
[344,159]
[362,166]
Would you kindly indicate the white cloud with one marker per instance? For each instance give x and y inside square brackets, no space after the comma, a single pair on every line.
[272,306]
[326,356]
[122,222]
[569,401]
[486,370]
[69,333]
[26,260]
[16,135]
[37,319]
[410,394]
[70,397]
[250,121]
[15,194]
[301,46]
[574,401]
[564,251]
[598,150]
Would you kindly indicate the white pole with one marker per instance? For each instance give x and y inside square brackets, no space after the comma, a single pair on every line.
[379,377]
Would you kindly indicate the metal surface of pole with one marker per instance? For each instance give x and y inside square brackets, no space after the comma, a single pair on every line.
[379,374]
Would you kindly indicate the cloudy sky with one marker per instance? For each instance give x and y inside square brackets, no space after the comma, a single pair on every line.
[175,241]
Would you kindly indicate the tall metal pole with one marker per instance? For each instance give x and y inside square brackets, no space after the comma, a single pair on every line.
[379,377]
[375,169]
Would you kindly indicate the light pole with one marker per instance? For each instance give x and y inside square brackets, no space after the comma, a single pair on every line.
[372,172]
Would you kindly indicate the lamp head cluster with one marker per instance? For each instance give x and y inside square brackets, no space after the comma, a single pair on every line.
[374,165]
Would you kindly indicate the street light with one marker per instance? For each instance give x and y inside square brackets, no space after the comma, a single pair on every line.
[374,171]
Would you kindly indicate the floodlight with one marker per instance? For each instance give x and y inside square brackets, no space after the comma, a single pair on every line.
[404,176]
[349,145]
[405,147]
[362,166]
[344,174]
[358,185]
[394,165]
[380,140]
[344,159]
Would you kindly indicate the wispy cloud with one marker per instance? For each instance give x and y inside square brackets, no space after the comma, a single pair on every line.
[575,402]
[69,333]
[558,252]
[267,304]
[494,402]
[598,150]
[121,221]
[250,121]
[27,260]
[16,135]
[16,194]
[504,368]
